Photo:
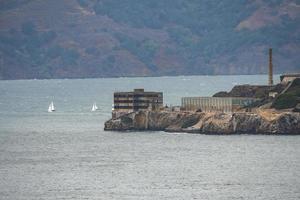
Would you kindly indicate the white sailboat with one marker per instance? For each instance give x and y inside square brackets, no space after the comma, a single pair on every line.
[94,107]
[51,107]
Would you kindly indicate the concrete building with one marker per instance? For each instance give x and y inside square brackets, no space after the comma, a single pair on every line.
[286,78]
[126,102]
[215,104]
[273,94]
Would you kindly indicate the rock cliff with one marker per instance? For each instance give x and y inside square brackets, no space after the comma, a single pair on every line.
[208,123]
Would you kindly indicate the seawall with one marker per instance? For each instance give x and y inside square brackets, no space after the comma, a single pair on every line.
[208,123]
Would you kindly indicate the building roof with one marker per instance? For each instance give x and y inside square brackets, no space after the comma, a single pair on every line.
[138,91]
[289,75]
[242,98]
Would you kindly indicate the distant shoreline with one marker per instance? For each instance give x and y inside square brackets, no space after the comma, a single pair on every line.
[111,77]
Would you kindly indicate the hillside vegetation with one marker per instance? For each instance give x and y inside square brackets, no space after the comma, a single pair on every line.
[104,38]
[290,98]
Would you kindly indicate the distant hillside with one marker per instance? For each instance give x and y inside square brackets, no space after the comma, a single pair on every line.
[104,38]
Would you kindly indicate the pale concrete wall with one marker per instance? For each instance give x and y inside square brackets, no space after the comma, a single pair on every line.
[207,104]
[215,104]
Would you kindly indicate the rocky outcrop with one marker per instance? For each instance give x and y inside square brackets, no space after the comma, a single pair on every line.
[207,123]
[256,91]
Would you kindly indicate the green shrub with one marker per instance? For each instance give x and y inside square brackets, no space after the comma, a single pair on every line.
[288,100]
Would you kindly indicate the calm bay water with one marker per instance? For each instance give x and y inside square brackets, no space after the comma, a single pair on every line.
[67,155]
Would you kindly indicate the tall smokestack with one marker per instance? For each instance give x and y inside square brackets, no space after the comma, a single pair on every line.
[270,68]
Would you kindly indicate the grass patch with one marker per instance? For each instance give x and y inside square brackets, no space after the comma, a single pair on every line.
[289,99]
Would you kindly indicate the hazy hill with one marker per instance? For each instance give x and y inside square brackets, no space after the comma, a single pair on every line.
[100,38]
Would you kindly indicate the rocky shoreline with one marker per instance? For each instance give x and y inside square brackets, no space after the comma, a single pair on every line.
[265,122]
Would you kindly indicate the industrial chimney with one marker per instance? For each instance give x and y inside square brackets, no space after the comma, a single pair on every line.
[270,68]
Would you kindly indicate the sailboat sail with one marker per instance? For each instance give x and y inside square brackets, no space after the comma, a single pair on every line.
[94,108]
[51,107]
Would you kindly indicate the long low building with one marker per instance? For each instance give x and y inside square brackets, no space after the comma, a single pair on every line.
[286,78]
[215,104]
[126,102]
